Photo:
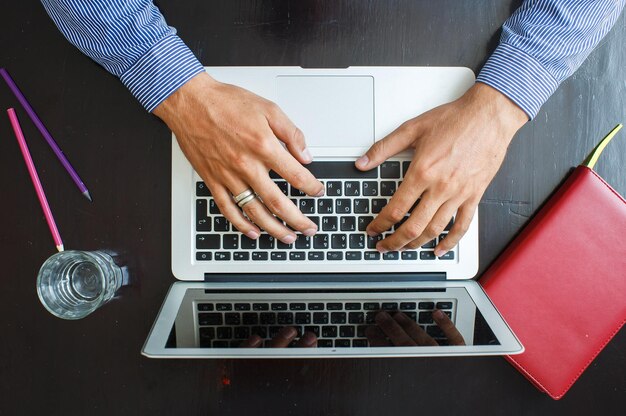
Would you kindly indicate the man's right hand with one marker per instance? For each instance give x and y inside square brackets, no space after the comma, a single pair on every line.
[232,138]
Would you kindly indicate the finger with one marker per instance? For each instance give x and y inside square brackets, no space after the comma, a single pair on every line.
[308,340]
[394,143]
[413,227]
[231,211]
[377,337]
[284,337]
[413,330]
[288,133]
[297,175]
[254,341]
[437,225]
[401,202]
[258,214]
[282,206]
[448,328]
[461,225]
[390,327]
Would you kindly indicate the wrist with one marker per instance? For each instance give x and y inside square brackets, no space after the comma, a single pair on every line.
[184,99]
[497,108]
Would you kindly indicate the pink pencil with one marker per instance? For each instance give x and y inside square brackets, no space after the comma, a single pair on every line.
[35,178]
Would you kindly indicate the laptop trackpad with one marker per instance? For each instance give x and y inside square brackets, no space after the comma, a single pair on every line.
[332,111]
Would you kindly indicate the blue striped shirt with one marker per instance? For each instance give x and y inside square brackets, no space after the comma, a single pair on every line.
[542,44]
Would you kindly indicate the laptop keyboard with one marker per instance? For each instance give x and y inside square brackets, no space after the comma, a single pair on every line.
[352,200]
[336,324]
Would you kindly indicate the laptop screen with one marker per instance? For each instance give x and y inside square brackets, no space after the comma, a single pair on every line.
[420,317]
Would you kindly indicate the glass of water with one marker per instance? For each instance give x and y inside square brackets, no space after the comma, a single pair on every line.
[72,284]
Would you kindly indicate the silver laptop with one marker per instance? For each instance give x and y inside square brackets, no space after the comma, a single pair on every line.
[334,284]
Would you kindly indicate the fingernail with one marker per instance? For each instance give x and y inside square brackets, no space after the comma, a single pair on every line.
[381,249]
[252,235]
[289,332]
[309,231]
[362,161]
[309,338]
[371,233]
[439,252]
[307,156]
[288,239]
[438,314]
[321,193]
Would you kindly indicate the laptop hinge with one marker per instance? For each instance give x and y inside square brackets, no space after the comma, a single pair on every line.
[324,277]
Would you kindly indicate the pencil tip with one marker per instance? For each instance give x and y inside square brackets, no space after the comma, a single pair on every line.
[60,248]
[86,193]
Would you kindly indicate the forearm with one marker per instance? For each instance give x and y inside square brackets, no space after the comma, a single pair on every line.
[543,43]
[131,40]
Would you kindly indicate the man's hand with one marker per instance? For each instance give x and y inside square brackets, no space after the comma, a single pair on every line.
[232,138]
[282,340]
[402,331]
[459,147]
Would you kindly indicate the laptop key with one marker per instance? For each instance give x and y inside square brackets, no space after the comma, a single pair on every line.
[316,306]
[324,343]
[224,332]
[353,255]
[261,331]
[370,317]
[333,188]
[242,306]
[390,306]
[241,332]
[427,255]
[223,307]
[390,170]
[364,222]
[338,318]
[324,206]
[334,255]
[220,344]
[342,343]
[266,242]
[283,246]
[352,306]
[371,306]
[409,255]
[448,256]
[232,318]
[247,243]
[283,186]
[315,329]
[284,318]
[370,188]
[361,206]
[391,255]
[303,241]
[357,241]
[346,331]
[207,241]
[207,333]
[360,331]
[378,204]
[260,306]
[303,318]
[372,240]
[372,255]
[425,318]
[297,306]
[356,317]
[221,224]
[316,255]
[359,343]
[213,208]
[210,318]
[334,306]
[315,219]
[347,224]
[204,255]
[249,318]
[387,188]
[329,331]
[222,256]
[279,255]
[241,256]
[444,305]
[339,241]
[351,188]
[407,305]
[426,305]
[259,255]
[279,306]
[430,244]
[297,192]
[203,307]
[297,256]
[405,168]
[320,241]
[202,189]
[307,206]
[320,318]
[329,224]
[343,206]
[267,318]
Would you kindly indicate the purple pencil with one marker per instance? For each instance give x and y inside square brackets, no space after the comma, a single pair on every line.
[45,133]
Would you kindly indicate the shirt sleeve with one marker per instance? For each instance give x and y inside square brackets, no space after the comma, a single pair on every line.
[542,44]
[131,40]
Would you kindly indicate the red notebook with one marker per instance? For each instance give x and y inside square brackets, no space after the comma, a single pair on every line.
[561,284]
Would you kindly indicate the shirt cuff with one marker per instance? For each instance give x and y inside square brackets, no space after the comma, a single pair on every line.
[161,71]
[520,77]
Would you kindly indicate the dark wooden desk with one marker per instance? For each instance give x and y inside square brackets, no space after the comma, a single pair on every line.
[93,366]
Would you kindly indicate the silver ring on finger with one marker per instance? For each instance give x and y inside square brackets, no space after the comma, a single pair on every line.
[243,195]
[246,200]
